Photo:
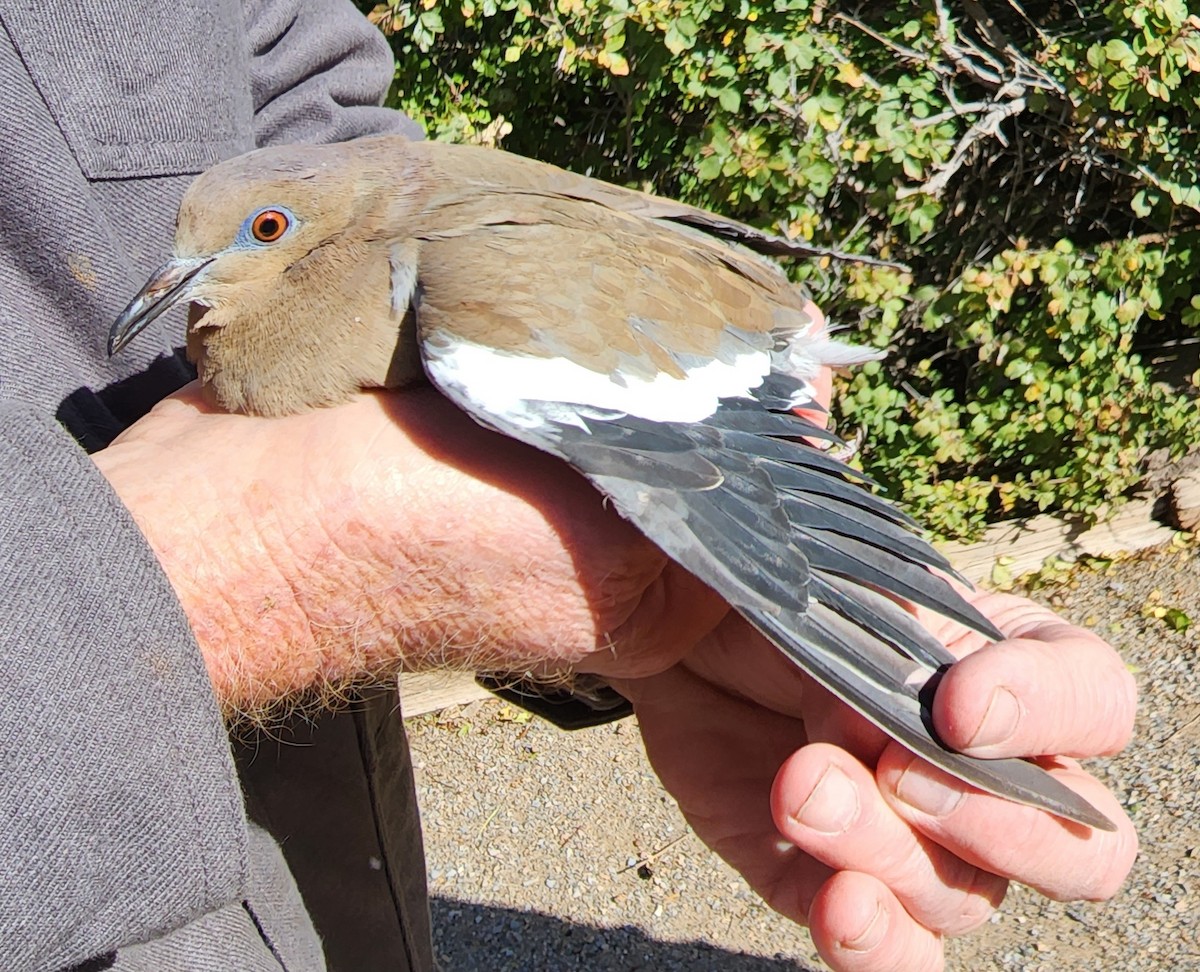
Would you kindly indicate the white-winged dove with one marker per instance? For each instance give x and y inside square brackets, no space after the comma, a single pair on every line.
[639,339]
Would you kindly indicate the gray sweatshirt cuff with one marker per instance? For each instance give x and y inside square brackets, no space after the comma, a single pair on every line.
[120,813]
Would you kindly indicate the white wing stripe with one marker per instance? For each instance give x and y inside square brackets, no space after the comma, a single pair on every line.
[506,384]
[501,383]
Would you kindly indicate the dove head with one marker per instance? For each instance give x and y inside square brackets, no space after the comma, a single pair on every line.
[299,273]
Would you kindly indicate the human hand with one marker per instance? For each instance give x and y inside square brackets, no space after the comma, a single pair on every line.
[338,544]
[882,855]
[335,545]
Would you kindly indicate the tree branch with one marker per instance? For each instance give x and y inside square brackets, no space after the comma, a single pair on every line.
[986,127]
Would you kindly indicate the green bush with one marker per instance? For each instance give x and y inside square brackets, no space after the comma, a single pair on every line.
[1035,166]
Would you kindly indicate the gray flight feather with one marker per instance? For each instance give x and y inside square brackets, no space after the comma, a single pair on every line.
[863,672]
[804,552]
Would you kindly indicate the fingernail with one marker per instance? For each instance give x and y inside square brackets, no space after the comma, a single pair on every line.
[871,935]
[832,806]
[923,788]
[999,723]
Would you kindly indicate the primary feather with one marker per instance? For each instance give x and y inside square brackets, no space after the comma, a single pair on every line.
[642,341]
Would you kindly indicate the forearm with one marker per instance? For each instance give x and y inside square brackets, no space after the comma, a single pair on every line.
[319,72]
[391,532]
[240,606]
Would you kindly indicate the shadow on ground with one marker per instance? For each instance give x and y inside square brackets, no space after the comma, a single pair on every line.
[489,938]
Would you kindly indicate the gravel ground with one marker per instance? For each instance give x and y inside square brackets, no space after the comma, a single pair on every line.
[553,851]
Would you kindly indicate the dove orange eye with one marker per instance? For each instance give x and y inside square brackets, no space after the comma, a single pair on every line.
[269,225]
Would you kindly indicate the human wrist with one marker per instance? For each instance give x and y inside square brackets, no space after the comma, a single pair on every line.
[296,572]
[213,556]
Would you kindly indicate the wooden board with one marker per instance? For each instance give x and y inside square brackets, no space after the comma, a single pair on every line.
[422,692]
[1020,547]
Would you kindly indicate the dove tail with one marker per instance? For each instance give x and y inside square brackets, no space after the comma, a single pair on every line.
[801,356]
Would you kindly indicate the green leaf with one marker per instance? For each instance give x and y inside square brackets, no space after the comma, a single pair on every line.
[709,167]
[1119,52]
[730,99]
[1177,620]
[677,41]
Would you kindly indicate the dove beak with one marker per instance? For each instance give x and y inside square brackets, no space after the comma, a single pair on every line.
[169,284]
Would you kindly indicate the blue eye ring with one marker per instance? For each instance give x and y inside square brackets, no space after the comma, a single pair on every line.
[266,226]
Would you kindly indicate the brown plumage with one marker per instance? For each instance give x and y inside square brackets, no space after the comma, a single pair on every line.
[638,339]
[627,257]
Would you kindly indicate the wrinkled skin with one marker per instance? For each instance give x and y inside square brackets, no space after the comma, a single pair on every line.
[394,531]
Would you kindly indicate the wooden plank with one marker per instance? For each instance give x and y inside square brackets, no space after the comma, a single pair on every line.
[1018,547]
[422,692]
[1185,500]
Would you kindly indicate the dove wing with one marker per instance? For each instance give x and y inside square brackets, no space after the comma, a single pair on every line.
[480,170]
[688,431]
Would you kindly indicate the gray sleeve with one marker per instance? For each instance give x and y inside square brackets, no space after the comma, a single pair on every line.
[120,814]
[319,72]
